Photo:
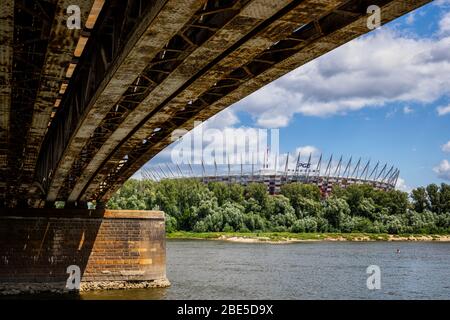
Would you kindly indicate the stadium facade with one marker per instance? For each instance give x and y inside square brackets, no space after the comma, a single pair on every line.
[324,175]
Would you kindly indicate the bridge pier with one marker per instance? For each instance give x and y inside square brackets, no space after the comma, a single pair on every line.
[112,249]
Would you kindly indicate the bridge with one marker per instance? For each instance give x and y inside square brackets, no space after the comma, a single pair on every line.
[83,107]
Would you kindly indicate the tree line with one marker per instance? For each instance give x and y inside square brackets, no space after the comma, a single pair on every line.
[191,205]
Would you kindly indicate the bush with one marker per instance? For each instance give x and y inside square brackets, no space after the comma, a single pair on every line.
[336,211]
[200,226]
[254,222]
[361,224]
[227,228]
[308,224]
[377,227]
[191,205]
[305,199]
[395,225]
[282,212]
[171,223]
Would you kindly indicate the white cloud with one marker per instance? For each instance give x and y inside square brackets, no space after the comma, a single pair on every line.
[307,150]
[383,67]
[402,186]
[446,147]
[407,110]
[444,24]
[273,121]
[443,170]
[410,18]
[391,113]
[226,119]
[443,110]
[222,145]
[223,119]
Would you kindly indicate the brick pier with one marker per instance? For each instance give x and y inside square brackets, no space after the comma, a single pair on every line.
[112,248]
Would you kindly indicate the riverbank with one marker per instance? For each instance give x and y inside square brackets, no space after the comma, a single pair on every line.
[288,237]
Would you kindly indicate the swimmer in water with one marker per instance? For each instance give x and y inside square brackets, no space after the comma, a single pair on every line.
[398,250]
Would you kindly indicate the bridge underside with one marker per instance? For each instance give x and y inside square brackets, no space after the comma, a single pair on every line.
[81,110]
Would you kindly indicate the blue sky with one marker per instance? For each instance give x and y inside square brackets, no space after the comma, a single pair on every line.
[384,96]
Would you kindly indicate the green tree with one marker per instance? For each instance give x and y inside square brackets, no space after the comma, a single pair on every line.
[366,208]
[233,216]
[336,210]
[395,224]
[236,193]
[134,195]
[221,191]
[305,199]
[360,198]
[295,189]
[282,214]
[258,192]
[191,205]
[420,199]
[308,224]
[181,199]
[171,223]
[444,197]
[434,198]
[254,222]
[394,200]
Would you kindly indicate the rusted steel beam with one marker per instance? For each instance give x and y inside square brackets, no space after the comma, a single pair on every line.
[279,24]
[322,36]
[6,54]
[152,32]
[60,52]
[31,33]
[232,24]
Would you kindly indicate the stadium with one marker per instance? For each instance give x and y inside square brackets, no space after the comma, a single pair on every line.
[324,174]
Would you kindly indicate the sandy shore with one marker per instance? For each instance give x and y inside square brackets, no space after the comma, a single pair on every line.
[443,238]
[437,238]
[260,240]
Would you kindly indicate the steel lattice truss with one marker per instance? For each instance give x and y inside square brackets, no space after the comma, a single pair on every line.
[76,123]
[200,28]
[32,26]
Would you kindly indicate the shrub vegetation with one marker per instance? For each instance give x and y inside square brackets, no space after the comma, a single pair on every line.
[191,205]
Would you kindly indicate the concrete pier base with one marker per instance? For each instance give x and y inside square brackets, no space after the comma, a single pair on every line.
[113,249]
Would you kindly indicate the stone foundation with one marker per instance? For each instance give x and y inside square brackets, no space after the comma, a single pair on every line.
[14,288]
[113,249]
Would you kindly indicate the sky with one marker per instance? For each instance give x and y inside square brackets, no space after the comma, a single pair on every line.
[384,96]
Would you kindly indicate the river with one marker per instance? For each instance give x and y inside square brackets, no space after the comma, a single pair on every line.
[201,269]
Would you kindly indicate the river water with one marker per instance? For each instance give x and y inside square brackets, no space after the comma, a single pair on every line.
[200,269]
